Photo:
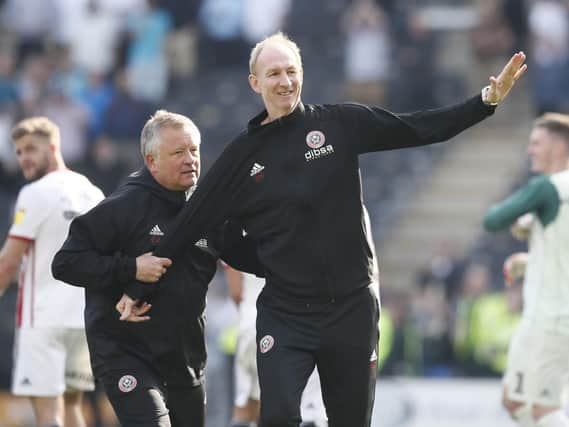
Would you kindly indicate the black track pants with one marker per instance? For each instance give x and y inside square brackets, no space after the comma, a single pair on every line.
[140,400]
[339,337]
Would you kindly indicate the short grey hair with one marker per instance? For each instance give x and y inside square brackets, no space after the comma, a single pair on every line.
[277,38]
[150,136]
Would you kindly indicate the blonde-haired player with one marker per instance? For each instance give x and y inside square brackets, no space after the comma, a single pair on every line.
[51,359]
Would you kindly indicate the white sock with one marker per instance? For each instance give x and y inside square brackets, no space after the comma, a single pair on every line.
[554,419]
[524,417]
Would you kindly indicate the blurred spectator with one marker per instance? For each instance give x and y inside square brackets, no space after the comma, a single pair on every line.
[122,8]
[8,89]
[430,315]
[443,267]
[221,37]
[34,22]
[492,38]
[403,355]
[414,56]
[124,118]
[69,12]
[104,166]
[8,161]
[549,32]
[182,41]
[475,282]
[493,320]
[95,38]
[262,18]
[96,96]
[367,58]
[72,119]
[515,14]
[147,65]
[32,84]
[10,182]
[183,13]
[64,73]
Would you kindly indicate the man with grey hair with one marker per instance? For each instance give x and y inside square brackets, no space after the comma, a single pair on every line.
[152,371]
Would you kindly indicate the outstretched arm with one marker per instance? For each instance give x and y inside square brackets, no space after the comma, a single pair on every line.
[377,129]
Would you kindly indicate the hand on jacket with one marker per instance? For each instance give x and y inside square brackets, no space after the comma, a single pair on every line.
[150,268]
[132,310]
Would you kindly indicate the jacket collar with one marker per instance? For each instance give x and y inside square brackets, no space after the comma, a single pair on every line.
[256,122]
[144,178]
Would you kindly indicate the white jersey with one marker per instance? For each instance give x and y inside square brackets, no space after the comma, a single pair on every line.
[44,211]
[546,284]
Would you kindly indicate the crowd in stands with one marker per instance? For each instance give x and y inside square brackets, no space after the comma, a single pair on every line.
[99,68]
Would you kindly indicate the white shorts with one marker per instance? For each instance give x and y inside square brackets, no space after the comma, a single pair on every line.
[246,377]
[48,362]
[538,366]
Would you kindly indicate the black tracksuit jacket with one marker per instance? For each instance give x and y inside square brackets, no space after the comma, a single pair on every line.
[294,185]
[99,255]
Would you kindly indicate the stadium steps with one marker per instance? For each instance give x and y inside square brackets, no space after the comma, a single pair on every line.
[476,170]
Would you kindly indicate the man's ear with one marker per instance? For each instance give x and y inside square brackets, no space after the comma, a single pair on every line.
[254,83]
[151,162]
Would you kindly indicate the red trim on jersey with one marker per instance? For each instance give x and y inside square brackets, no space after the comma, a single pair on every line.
[30,254]
[20,303]
[33,256]
[25,239]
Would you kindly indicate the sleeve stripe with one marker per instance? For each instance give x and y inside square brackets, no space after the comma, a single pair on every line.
[25,239]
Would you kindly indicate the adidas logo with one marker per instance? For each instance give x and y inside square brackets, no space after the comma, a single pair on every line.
[156,231]
[256,169]
[202,243]
[26,381]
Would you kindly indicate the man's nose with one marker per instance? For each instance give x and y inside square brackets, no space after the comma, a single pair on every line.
[191,157]
[285,79]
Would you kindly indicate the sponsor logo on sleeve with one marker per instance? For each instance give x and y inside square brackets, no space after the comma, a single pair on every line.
[19,216]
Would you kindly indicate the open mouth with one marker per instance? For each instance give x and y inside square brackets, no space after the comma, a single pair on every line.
[286,93]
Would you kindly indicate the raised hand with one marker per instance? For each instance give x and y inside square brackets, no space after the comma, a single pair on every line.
[500,86]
